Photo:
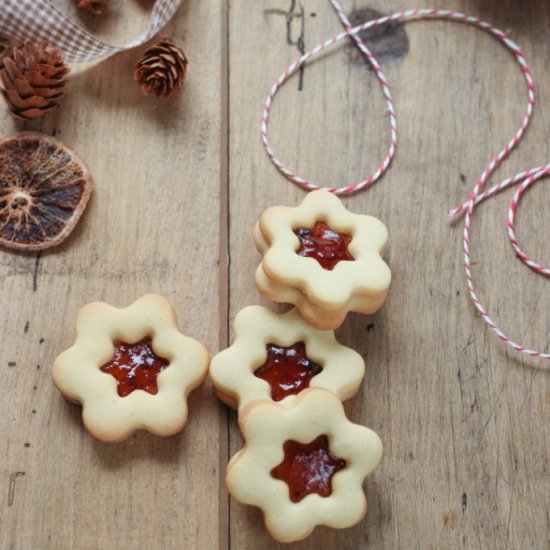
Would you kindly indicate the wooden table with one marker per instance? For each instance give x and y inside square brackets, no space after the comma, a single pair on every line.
[180,184]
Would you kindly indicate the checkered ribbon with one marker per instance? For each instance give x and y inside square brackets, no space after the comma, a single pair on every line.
[39,20]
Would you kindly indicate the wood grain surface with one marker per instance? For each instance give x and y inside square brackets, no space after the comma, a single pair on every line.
[179,187]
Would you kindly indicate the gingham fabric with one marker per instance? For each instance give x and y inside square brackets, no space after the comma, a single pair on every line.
[39,20]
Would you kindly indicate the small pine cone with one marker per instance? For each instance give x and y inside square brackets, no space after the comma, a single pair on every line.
[33,79]
[4,45]
[162,69]
[95,7]
[6,48]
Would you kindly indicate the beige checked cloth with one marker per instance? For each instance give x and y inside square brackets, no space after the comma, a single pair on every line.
[39,20]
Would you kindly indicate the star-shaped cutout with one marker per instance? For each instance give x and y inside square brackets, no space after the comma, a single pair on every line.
[135,367]
[308,468]
[288,370]
[324,244]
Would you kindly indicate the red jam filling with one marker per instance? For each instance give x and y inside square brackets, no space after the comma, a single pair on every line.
[324,244]
[308,468]
[135,367]
[288,370]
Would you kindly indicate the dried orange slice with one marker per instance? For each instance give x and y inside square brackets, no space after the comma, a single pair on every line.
[44,188]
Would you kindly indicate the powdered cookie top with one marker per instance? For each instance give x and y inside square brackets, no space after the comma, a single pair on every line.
[130,369]
[303,464]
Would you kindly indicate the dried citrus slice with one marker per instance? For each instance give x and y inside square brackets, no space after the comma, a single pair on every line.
[44,188]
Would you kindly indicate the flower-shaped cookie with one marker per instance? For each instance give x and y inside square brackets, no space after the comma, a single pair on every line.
[323,259]
[130,369]
[303,464]
[276,356]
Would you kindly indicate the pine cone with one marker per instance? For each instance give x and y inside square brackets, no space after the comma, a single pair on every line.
[6,48]
[4,45]
[33,79]
[95,7]
[162,69]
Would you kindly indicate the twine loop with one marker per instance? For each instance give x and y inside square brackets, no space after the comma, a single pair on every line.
[479,193]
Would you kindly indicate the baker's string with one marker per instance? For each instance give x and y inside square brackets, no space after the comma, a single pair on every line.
[478,194]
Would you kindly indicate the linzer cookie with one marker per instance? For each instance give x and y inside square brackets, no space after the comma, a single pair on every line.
[323,259]
[275,357]
[303,464]
[130,369]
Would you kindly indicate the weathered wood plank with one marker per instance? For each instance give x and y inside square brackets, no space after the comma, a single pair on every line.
[152,225]
[464,422]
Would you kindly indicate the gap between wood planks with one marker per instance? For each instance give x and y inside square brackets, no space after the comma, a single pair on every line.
[224,261]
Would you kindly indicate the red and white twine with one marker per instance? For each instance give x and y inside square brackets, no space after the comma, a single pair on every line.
[478,194]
